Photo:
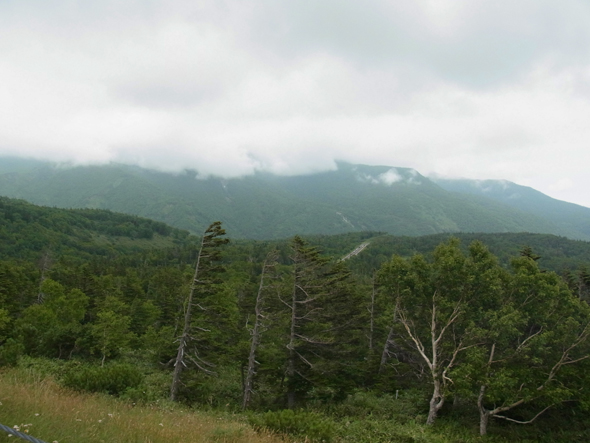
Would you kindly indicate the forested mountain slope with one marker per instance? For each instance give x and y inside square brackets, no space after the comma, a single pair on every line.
[27,232]
[558,254]
[567,215]
[263,206]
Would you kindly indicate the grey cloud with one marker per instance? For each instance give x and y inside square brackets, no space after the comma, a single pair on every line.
[485,45]
[478,89]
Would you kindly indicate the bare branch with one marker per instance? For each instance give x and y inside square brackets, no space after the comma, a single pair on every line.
[523,422]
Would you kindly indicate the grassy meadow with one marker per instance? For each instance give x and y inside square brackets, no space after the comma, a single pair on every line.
[52,413]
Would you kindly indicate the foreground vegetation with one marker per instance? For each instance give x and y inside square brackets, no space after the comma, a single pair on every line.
[52,413]
[33,398]
[438,346]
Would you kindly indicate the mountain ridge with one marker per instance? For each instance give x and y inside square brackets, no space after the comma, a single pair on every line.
[399,201]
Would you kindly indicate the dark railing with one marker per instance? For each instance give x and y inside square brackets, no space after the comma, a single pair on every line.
[22,435]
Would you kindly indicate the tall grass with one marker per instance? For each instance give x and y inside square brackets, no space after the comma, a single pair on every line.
[53,414]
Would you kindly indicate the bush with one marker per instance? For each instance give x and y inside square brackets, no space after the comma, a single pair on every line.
[154,389]
[408,406]
[41,367]
[310,425]
[10,352]
[221,390]
[385,431]
[112,379]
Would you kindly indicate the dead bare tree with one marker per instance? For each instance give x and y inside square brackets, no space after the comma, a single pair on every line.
[267,270]
[45,264]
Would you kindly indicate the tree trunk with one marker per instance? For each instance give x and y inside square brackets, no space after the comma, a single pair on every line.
[291,347]
[256,332]
[388,342]
[484,414]
[385,353]
[484,417]
[179,363]
[436,402]
[372,321]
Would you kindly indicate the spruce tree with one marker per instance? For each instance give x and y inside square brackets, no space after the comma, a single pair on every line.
[204,280]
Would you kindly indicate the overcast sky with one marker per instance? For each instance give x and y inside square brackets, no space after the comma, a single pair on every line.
[459,88]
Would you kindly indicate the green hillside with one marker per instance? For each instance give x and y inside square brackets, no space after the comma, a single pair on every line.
[558,254]
[569,217]
[28,231]
[352,198]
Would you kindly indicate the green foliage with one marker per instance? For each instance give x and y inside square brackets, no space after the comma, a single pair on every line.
[222,389]
[557,253]
[203,294]
[113,378]
[111,330]
[27,231]
[10,351]
[4,321]
[52,328]
[76,301]
[41,367]
[159,344]
[404,407]
[153,389]
[309,425]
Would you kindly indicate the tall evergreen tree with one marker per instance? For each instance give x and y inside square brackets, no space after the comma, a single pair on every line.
[319,309]
[204,280]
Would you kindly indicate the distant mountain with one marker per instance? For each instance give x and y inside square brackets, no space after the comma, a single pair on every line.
[352,198]
[572,219]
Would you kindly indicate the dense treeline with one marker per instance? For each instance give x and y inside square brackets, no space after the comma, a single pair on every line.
[26,230]
[272,326]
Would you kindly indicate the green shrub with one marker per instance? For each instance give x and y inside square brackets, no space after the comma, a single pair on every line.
[41,367]
[10,352]
[310,425]
[154,389]
[408,405]
[382,431]
[221,390]
[112,379]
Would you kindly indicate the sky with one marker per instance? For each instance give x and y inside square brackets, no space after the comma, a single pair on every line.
[451,88]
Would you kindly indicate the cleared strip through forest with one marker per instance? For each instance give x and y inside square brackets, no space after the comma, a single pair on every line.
[356,251]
